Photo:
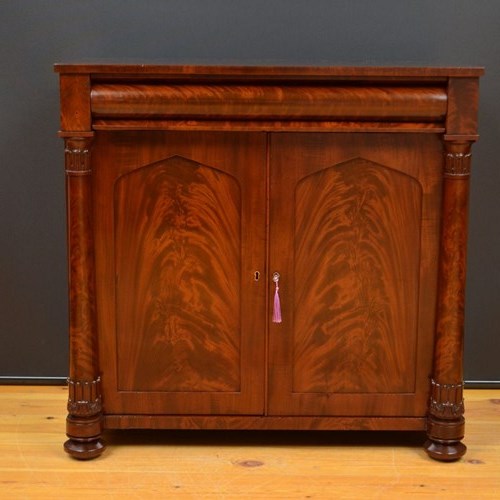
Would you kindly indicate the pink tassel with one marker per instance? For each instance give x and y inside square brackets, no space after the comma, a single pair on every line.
[277,304]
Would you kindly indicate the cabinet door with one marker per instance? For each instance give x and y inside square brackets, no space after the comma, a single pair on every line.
[180,234]
[354,226]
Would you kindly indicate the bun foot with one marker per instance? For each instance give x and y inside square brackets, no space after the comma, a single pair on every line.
[84,448]
[445,452]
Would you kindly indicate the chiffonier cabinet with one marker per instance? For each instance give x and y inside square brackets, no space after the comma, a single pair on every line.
[267,248]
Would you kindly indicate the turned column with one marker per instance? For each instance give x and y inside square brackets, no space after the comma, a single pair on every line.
[446,407]
[84,421]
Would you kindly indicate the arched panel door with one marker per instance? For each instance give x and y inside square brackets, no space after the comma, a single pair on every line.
[352,241]
[178,276]
[176,272]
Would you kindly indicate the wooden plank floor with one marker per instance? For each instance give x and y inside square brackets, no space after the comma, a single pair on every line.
[253,465]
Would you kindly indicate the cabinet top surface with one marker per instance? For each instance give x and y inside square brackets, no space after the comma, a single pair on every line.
[269,71]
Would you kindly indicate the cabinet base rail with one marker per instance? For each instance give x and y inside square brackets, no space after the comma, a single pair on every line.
[264,422]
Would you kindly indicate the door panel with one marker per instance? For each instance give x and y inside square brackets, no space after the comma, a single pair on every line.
[355,300]
[176,269]
[355,242]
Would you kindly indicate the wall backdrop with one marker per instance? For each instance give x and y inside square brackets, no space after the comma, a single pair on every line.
[34,35]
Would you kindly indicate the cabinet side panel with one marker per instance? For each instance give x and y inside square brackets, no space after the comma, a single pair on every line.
[177,245]
[357,240]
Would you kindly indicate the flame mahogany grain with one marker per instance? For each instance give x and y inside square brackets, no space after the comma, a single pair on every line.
[270,101]
[188,186]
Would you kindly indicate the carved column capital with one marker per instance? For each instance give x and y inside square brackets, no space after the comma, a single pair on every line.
[84,397]
[446,400]
[77,155]
[458,158]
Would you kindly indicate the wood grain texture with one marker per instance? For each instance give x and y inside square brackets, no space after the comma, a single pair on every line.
[355,237]
[249,422]
[357,241]
[463,107]
[269,125]
[202,179]
[267,102]
[81,272]
[446,421]
[119,71]
[452,266]
[84,420]
[175,271]
[75,104]
[239,464]
[178,265]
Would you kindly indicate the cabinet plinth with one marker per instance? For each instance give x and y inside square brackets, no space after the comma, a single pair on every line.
[189,188]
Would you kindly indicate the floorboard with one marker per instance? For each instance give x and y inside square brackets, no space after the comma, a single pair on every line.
[254,465]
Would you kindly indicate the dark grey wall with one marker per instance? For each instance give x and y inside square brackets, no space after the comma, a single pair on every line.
[34,35]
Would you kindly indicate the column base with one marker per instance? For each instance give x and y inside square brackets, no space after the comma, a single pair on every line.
[84,448]
[445,452]
[84,435]
[445,437]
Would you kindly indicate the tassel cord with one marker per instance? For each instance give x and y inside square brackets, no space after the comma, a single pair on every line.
[277,304]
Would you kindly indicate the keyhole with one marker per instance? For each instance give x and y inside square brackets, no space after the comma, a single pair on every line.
[256,276]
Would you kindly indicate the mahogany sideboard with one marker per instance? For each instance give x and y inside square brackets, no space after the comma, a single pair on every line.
[267,248]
